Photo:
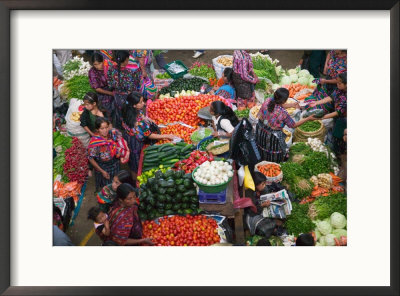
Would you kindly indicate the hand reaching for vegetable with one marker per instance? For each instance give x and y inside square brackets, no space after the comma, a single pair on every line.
[322,81]
[148,241]
[215,134]
[313,104]
[105,175]
[311,117]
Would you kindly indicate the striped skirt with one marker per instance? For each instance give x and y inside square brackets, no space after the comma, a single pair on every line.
[271,143]
[111,167]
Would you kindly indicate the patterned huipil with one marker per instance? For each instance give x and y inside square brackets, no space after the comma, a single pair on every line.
[243,65]
[278,118]
[336,65]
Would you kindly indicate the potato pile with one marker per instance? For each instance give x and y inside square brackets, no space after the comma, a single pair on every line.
[227,62]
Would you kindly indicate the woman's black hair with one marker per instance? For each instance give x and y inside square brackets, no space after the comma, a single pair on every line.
[228,73]
[259,178]
[96,57]
[91,97]
[305,239]
[99,121]
[124,177]
[220,108]
[129,113]
[120,56]
[124,189]
[343,77]
[93,213]
[263,242]
[280,97]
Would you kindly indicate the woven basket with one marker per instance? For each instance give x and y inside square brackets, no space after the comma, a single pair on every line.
[302,136]
[219,150]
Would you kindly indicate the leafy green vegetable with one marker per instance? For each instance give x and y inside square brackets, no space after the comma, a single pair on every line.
[242,113]
[71,65]
[327,205]
[298,221]
[310,126]
[263,67]
[262,85]
[78,86]
[163,76]
[300,148]
[202,70]
[197,136]
[296,179]
[338,220]
[316,163]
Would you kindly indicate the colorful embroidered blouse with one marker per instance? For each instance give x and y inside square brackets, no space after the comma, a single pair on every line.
[141,129]
[124,224]
[106,149]
[336,65]
[124,83]
[278,118]
[106,195]
[97,79]
[243,65]
[226,91]
[339,98]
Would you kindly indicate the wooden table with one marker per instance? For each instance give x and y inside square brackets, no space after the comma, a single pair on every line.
[230,212]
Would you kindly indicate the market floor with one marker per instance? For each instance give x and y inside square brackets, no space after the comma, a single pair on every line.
[82,230]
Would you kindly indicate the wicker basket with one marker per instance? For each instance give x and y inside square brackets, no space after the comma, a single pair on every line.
[302,136]
[219,150]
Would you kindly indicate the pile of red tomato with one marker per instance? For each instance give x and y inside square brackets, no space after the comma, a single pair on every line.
[182,231]
[178,130]
[182,109]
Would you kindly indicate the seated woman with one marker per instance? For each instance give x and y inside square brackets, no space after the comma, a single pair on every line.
[125,224]
[227,90]
[224,119]
[272,119]
[338,99]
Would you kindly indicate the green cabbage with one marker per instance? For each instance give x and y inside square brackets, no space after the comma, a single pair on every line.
[293,78]
[285,80]
[330,240]
[322,241]
[292,71]
[338,221]
[324,227]
[303,81]
[339,232]
[304,73]
[318,234]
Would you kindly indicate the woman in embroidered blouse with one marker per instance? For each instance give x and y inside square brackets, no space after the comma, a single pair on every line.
[244,78]
[123,80]
[125,225]
[137,129]
[145,59]
[227,90]
[103,151]
[338,101]
[98,81]
[272,119]
[336,63]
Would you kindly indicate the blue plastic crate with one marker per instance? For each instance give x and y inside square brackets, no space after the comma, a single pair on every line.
[212,198]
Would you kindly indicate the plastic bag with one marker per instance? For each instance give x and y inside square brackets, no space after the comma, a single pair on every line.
[241,175]
[219,68]
[248,180]
[74,128]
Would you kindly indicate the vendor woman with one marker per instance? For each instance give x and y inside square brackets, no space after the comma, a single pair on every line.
[103,152]
[224,119]
[272,119]
[338,99]
[137,129]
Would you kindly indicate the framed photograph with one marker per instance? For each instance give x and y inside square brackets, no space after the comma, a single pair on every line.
[32,31]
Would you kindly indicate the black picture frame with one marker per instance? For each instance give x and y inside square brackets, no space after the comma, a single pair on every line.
[7,6]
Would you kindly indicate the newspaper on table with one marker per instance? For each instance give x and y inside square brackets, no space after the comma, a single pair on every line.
[280,206]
